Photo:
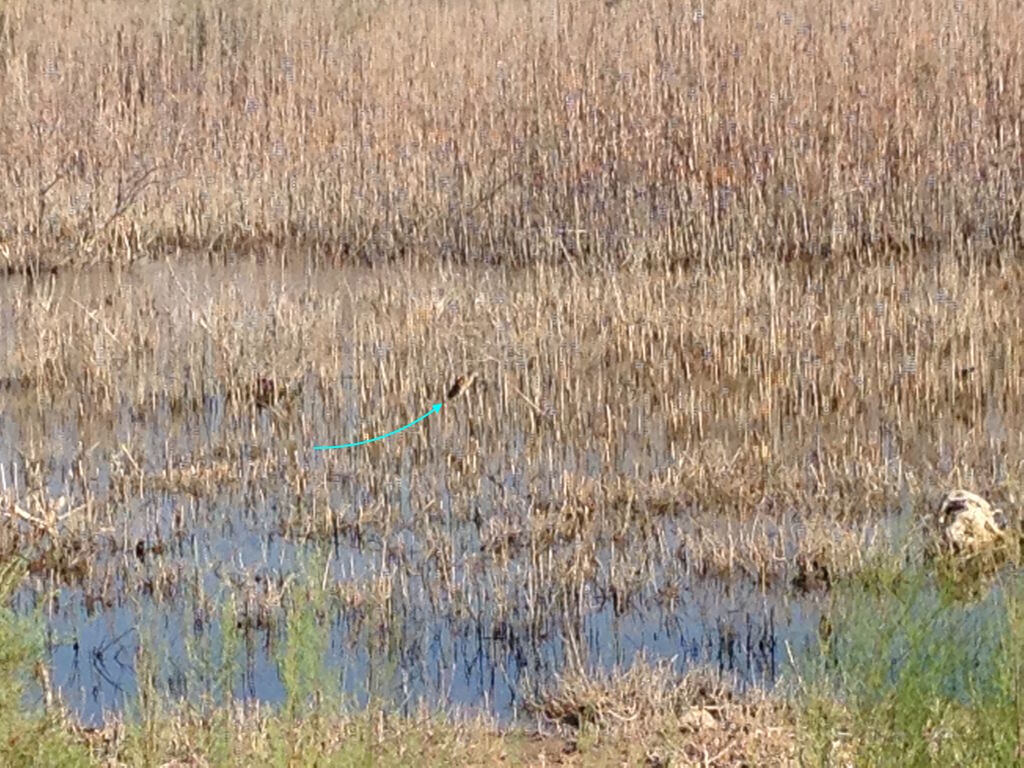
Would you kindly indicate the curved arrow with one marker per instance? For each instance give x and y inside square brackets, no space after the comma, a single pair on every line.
[435,409]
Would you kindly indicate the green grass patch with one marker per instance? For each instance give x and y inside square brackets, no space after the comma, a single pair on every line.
[910,673]
[29,736]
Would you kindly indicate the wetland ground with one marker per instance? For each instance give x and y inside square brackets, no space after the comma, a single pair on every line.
[638,473]
[741,287]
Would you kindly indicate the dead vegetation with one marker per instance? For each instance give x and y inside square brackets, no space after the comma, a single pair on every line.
[642,132]
[691,719]
[630,439]
[736,289]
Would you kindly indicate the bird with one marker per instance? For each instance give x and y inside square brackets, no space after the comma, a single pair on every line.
[462,383]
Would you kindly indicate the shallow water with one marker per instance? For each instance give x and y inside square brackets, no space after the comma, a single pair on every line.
[462,626]
[424,656]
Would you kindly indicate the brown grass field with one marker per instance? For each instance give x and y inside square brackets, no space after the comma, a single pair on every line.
[741,284]
[645,133]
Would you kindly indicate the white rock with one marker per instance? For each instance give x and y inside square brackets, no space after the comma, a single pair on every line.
[970,524]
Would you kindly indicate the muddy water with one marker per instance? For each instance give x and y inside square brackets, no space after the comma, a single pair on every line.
[456,624]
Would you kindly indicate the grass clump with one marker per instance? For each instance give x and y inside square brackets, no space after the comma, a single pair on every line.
[912,674]
[29,736]
[666,718]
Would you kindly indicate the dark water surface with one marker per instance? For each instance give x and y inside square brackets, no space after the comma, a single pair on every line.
[419,608]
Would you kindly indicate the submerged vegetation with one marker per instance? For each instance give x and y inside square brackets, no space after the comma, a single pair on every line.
[906,673]
[718,301]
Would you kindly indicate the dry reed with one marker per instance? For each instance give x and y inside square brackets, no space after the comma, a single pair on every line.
[647,132]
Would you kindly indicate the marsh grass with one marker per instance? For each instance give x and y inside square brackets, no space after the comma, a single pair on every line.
[634,436]
[741,284]
[669,717]
[818,399]
[583,134]
[314,724]
[29,734]
[910,673]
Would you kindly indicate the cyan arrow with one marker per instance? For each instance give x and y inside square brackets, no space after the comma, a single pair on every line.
[435,409]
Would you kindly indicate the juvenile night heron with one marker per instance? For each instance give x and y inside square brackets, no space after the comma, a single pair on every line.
[462,383]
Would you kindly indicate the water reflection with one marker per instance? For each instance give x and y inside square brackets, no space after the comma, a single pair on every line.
[452,576]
